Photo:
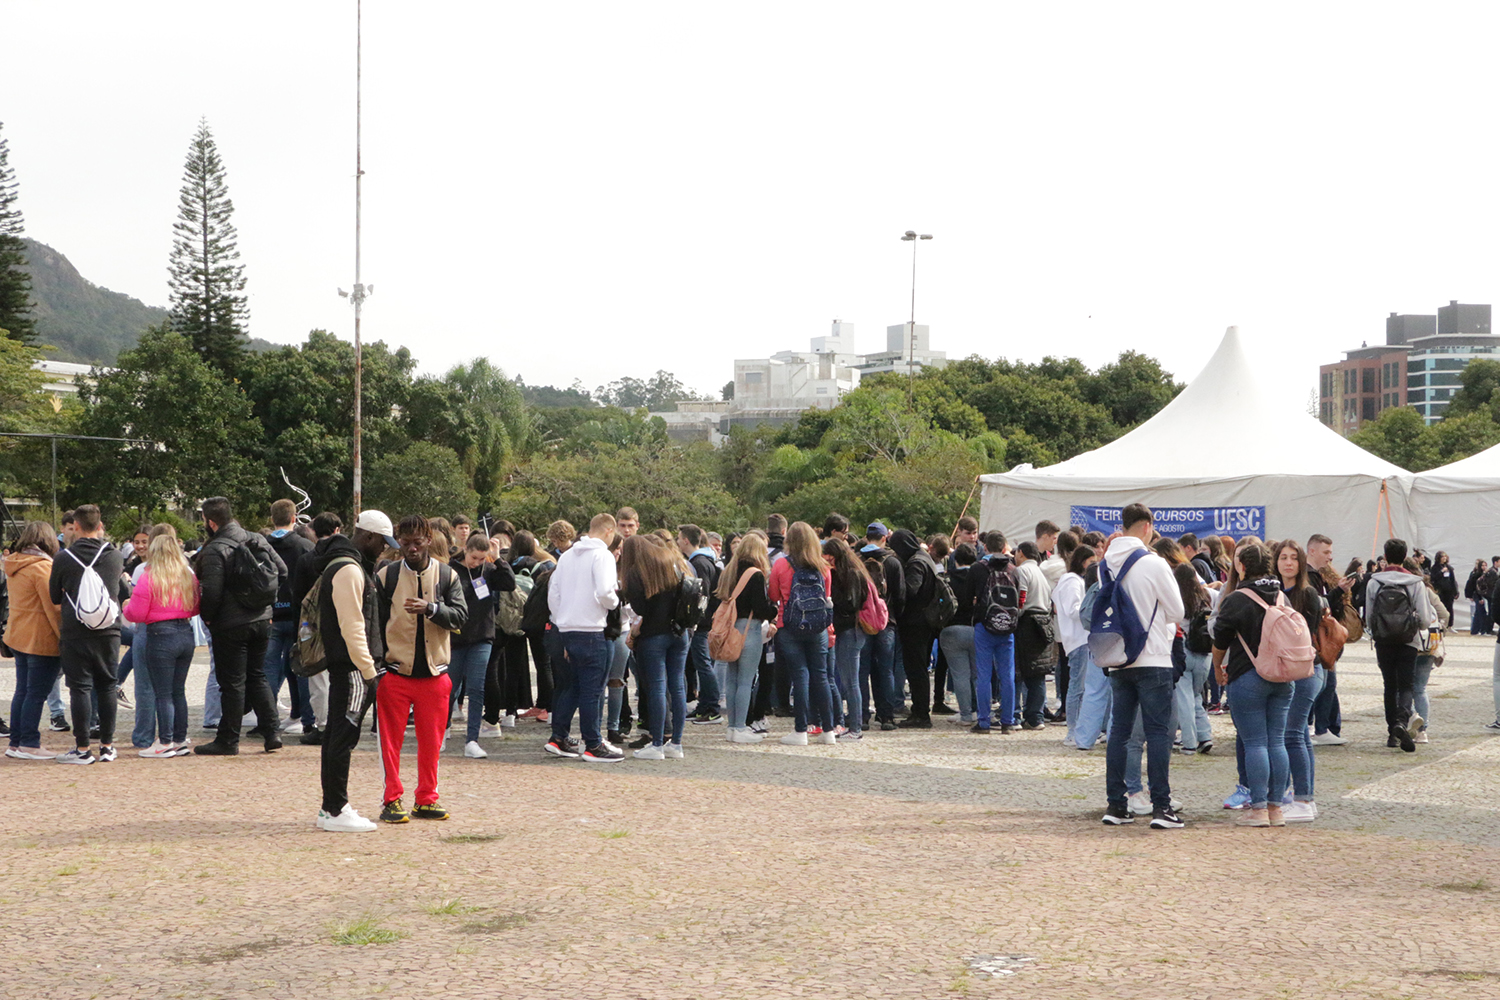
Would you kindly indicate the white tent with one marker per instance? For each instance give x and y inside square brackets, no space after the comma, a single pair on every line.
[1226,456]
[1456,509]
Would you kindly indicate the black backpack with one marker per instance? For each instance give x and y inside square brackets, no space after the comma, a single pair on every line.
[1002,600]
[943,606]
[692,603]
[1394,617]
[250,574]
[537,613]
[1199,639]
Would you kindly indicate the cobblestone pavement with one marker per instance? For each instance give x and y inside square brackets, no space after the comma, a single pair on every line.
[910,865]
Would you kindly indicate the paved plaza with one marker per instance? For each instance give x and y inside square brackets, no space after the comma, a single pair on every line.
[911,864]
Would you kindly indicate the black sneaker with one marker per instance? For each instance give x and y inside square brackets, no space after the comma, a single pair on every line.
[603,753]
[106,755]
[707,718]
[615,736]
[1118,816]
[213,748]
[982,730]
[1050,716]
[432,810]
[4,728]
[1031,726]
[887,726]
[562,749]
[1006,730]
[312,738]
[1403,737]
[394,812]
[59,724]
[640,741]
[1392,742]
[942,709]
[1205,746]
[93,732]
[273,743]
[913,722]
[1166,819]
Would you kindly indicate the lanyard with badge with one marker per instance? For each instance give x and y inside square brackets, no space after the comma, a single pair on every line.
[481,589]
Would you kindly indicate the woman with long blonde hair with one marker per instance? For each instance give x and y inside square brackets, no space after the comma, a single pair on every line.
[165,600]
[755,616]
[802,585]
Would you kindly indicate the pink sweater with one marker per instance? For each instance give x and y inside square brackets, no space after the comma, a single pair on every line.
[144,606]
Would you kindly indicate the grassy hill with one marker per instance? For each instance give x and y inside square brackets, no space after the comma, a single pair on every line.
[83,322]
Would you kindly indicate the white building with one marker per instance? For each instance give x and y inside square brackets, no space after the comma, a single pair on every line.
[908,348]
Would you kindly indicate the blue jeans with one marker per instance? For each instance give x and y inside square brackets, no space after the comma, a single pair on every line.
[619,660]
[1421,674]
[1192,717]
[994,663]
[578,677]
[1149,691]
[279,655]
[146,716]
[875,665]
[169,657]
[739,676]
[213,710]
[1259,708]
[1299,748]
[661,662]
[846,650]
[703,667]
[831,678]
[1327,716]
[1035,690]
[35,676]
[957,642]
[469,667]
[805,656]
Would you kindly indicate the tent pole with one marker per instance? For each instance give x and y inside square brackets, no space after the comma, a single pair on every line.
[1380,502]
[961,513]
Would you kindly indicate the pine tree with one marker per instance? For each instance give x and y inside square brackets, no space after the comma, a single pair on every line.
[207,285]
[15,280]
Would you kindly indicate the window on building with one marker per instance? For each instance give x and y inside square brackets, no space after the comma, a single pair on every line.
[753,378]
[822,391]
[1368,380]
[1368,412]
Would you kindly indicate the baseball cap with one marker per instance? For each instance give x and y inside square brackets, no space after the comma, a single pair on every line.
[377,523]
[877,529]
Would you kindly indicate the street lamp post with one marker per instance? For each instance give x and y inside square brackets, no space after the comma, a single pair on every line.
[911,237]
[361,291]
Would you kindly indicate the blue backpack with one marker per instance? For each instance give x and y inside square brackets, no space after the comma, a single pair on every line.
[808,610]
[1116,635]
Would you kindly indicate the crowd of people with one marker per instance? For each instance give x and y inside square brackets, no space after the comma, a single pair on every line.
[443,625]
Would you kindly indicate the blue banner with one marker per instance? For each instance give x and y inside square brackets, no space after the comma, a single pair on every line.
[1173,522]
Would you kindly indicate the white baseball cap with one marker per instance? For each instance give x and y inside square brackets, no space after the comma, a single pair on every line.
[377,523]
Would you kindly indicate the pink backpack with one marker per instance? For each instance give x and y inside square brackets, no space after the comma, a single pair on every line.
[1286,651]
[873,616]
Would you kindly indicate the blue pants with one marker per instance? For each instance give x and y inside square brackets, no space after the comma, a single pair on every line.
[847,647]
[703,669]
[469,667]
[806,659]
[661,662]
[35,676]
[146,716]
[1299,747]
[1259,708]
[876,661]
[1149,691]
[578,677]
[168,658]
[994,664]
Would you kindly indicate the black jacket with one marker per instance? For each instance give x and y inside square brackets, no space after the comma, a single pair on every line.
[895,578]
[848,597]
[291,547]
[480,625]
[919,578]
[655,611]
[961,579]
[1444,581]
[66,572]
[708,571]
[979,584]
[315,565]
[220,609]
[1238,616]
[754,601]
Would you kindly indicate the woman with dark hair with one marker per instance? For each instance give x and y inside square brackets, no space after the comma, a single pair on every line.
[513,671]
[956,640]
[1197,647]
[802,636]
[1073,634]
[483,582]
[850,586]
[650,578]
[1477,623]
[1259,706]
[1291,568]
[32,633]
[1444,581]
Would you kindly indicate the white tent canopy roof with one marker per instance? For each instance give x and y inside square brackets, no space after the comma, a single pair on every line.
[1485,465]
[1226,424]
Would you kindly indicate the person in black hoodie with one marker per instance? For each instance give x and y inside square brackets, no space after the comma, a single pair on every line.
[291,547]
[241,632]
[693,542]
[994,655]
[88,656]
[324,526]
[851,585]
[919,577]
[878,660]
[482,581]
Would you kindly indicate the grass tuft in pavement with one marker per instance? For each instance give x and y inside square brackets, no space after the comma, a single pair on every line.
[362,931]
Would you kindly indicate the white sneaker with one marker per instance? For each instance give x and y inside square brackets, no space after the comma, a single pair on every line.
[30,753]
[745,736]
[485,729]
[1328,740]
[508,720]
[795,739]
[672,750]
[159,750]
[348,821]
[1299,812]
[1070,743]
[828,738]
[473,749]
[1139,803]
[649,752]
[293,728]
[322,817]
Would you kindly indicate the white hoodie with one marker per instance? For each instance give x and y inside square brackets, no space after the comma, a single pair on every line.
[1154,593]
[582,591]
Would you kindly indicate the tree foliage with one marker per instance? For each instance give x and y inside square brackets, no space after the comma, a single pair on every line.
[661,392]
[477,412]
[207,284]
[15,281]
[1478,383]
[424,478]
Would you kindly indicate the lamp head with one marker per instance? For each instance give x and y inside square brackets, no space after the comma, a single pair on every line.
[911,234]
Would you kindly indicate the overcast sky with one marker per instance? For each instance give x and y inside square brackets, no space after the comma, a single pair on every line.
[591,190]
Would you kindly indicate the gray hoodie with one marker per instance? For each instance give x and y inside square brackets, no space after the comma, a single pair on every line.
[1411,583]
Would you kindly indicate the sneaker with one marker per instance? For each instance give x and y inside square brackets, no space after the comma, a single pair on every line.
[795,739]
[1403,738]
[1274,815]
[473,749]
[159,750]
[815,730]
[1216,710]
[1139,803]
[942,709]
[1166,819]
[1069,743]
[840,730]
[1328,740]
[107,755]
[30,753]
[487,731]
[650,753]
[1492,726]
[1031,726]
[393,812]
[1415,724]
[59,724]
[615,736]
[828,739]
[887,726]
[508,720]
[1299,812]
[542,715]
[293,728]
[1187,751]
[1006,730]
[745,736]
[557,749]
[75,756]
[915,722]
[311,738]
[1118,816]
[672,750]
[1392,742]
[184,749]
[603,753]
[1253,817]
[1238,799]
[1205,746]
[640,741]
[759,726]
[213,748]
[1421,737]
[432,810]
[347,821]
[980,728]
[708,718]
[845,737]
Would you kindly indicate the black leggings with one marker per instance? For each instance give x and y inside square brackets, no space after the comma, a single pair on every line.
[88,662]
[1398,666]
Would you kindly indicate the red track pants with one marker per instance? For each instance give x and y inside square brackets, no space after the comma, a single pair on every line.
[427,699]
